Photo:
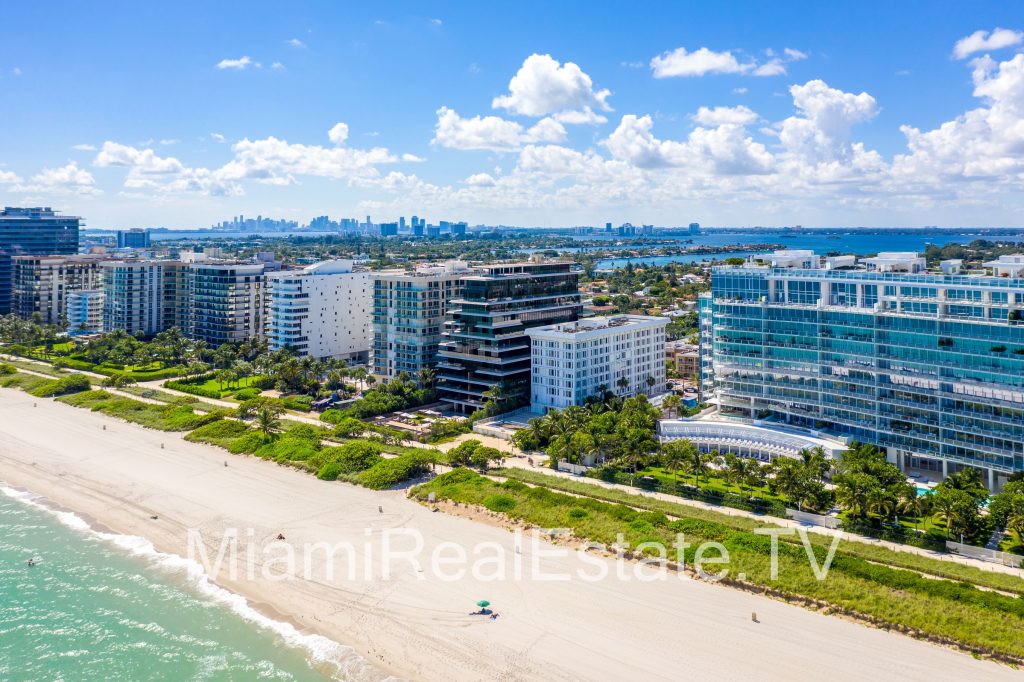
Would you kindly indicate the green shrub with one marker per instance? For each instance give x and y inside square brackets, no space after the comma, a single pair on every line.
[349,427]
[288,450]
[388,473]
[514,485]
[462,454]
[332,416]
[296,430]
[577,514]
[247,444]
[247,393]
[6,369]
[190,386]
[350,458]
[500,503]
[221,432]
[330,472]
[64,386]
[299,403]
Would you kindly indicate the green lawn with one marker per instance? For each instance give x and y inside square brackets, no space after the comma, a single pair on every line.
[224,389]
[710,481]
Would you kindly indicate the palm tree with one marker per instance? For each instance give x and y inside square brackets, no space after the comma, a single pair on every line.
[672,403]
[913,504]
[622,383]
[737,469]
[1015,520]
[756,474]
[359,374]
[426,377]
[674,456]
[853,492]
[881,502]
[267,420]
[699,462]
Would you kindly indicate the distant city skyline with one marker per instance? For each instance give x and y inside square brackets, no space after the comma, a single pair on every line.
[907,114]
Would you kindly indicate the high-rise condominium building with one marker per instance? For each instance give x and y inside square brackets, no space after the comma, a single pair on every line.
[485,344]
[409,309]
[31,231]
[133,296]
[227,301]
[926,364]
[85,311]
[177,297]
[135,238]
[322,311]
[42,283]
[573,361]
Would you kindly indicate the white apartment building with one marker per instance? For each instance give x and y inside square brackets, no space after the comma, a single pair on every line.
[85,311]
[42,284]
[573,361]
[322,311]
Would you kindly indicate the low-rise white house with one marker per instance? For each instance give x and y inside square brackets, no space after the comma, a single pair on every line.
[322,311]
[573,361]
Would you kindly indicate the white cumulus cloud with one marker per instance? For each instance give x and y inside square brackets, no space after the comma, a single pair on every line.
[740,115]
[700,62]
[67,179]
[338,134]
[238,64]
[543,86]
[491,133]
[980,41]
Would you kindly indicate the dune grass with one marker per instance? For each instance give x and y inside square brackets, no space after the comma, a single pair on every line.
[868,551]
[984,622]
[169,417]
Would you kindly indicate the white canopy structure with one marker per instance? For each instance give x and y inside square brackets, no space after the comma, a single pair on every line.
[746,440]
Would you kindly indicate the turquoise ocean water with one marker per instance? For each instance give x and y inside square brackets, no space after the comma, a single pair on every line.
[99,606]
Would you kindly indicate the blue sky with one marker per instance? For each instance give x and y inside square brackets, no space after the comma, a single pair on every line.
[183,114]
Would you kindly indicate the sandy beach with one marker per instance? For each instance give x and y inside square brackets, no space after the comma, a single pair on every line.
[415,624]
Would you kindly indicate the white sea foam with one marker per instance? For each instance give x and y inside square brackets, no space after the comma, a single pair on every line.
[348,665]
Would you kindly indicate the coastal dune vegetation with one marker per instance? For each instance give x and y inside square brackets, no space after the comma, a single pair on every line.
[957,613]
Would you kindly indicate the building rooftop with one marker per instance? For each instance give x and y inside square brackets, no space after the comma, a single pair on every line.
[908,262]
[594,324]
[37,212]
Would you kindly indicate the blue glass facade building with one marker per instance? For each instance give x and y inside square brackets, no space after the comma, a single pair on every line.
[929,366]
[37,231]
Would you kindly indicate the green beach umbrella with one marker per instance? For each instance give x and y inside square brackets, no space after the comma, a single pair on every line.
[482,603]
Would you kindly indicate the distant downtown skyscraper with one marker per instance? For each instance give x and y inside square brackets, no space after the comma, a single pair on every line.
[36,231]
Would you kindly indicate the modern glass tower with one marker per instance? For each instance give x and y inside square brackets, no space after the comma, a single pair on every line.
[927,364]
[485,343]
[227,302]
[409,310]
[32,232]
